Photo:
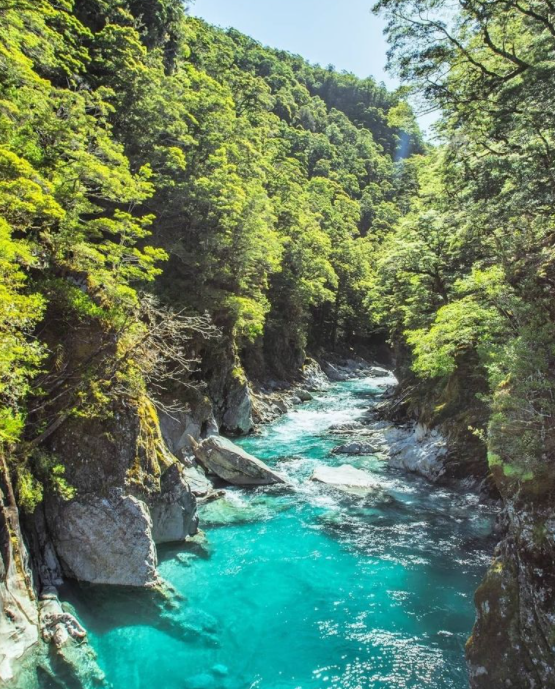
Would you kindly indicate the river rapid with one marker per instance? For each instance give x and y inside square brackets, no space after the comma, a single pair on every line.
[308,587]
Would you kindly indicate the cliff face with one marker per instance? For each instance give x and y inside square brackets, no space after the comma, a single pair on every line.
[513,642]
[19,620]
[38,636]
[131,494]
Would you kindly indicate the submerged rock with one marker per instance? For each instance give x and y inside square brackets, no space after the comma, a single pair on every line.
[231,463]
[346,478]
[72,661]
[105,540]
[355,448]
[231,509]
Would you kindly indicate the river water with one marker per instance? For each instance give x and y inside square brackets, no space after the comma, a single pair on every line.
[308,587]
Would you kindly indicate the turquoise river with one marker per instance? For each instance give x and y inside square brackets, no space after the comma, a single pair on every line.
[307,587]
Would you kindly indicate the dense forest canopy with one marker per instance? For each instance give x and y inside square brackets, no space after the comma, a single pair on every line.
[143,151]
[469,270]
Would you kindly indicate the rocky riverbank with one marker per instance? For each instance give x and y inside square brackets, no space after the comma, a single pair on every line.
[138,480]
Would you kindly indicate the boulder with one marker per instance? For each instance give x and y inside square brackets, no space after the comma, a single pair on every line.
[379,372]
[355,448]
[304,395]
[174,511]
[199,484]
[336,373]
[231,463]
[346,478]
[105,540]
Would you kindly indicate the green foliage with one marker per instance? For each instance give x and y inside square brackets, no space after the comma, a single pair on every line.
[470,266]
[138,147]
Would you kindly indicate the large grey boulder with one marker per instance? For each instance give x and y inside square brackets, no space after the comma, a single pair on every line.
[231,463]
[174,511]
[346,478]
[105,540]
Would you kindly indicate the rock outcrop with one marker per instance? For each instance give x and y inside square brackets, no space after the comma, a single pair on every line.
[105,540]
[173,512]
[228,388]
[222,458]
[131,493]
[177,426]
[314,378]
[19,624]
[513,642]
[237,418]
[37,635]
[418,449]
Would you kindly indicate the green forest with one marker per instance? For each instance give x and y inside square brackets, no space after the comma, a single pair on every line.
[146,152]
[174,196]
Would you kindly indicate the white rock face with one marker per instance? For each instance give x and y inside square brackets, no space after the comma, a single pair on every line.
[106,540]
[19,624]
[314,378]
[231,463]
[346,478]
[416,449]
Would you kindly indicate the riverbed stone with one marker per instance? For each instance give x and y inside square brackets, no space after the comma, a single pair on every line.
[346,478]
[231,463]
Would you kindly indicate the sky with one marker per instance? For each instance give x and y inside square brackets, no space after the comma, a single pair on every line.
[343,33]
